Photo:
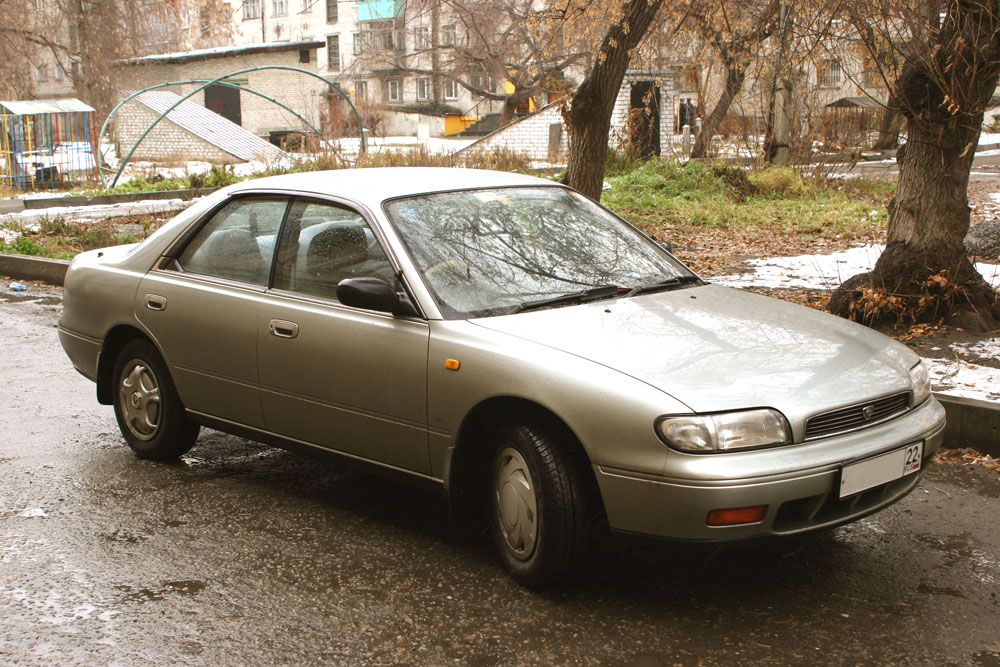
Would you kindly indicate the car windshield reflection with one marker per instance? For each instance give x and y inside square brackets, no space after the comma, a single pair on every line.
[497,251]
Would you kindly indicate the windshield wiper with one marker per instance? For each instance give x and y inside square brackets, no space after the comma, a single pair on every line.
[664,285]
[592,294]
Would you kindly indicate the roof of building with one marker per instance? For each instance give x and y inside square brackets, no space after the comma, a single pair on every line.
[857,103]
[224,52]
[210,126]
[374,185]
[31,107]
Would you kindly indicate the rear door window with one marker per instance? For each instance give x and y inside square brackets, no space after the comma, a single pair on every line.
[238,242]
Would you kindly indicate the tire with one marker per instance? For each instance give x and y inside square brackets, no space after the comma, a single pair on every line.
[536,473]
[150,415]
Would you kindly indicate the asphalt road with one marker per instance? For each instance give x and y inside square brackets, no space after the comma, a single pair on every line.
[245,555]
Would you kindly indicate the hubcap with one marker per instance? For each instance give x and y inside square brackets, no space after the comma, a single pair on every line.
[516,506]
[140,400]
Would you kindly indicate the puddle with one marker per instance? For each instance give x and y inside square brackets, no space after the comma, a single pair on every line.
[180,587]
[28,297]
[122,535]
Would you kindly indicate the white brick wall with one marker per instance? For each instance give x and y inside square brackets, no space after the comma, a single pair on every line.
[303,93]
[166,143]
[530,135]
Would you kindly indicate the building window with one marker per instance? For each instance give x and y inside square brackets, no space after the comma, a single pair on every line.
[279,7]
[448,35]
[304,55]
[205,21]
[60,73]
[451,89]
[423,88]
[361,91]
[394,90]
[359,43]
[482,83]
[421,38]
[333,53]
[829,73]
[331,11]
[307,6]
[251,9]
[41,73]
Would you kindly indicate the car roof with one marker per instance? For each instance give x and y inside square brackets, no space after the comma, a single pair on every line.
[372,186]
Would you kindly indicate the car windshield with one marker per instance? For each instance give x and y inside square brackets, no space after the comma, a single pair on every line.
[498,251]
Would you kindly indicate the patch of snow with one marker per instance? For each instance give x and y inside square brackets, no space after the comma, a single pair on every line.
[96,212]
[33,513]
[987,138]
[984,349]
[822,272]
[8,236]
[958,378]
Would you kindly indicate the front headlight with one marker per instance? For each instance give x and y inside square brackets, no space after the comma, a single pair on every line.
[725,432]
[921,383]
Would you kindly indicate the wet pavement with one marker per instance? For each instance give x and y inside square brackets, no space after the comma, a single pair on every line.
[247,555]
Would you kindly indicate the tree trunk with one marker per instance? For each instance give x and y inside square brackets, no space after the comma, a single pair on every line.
[589,115]
[890,125]
[924,269]
[928,220]
[510,106]
[735,76]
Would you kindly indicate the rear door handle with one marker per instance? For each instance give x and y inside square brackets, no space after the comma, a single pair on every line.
[156,302]
[283,329]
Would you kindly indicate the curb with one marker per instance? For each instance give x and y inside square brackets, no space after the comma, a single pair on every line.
[18,205]
[972,423]
[52,271]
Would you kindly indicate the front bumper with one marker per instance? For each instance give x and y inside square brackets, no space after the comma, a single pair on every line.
[797,501]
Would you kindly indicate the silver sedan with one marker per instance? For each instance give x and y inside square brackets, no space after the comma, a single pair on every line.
[507,342]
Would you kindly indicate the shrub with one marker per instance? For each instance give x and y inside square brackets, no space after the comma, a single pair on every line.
[779,181]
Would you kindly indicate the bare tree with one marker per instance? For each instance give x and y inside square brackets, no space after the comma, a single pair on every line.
[589,114]
[735,31]
[88,37]
[951,55]
[489,43]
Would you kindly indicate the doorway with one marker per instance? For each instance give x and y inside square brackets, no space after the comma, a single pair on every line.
[644,118]
[224,101]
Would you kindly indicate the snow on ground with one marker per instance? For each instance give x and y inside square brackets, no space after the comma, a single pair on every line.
[984,349]
[958,378]
[820,271]
[93,213]
[989,138]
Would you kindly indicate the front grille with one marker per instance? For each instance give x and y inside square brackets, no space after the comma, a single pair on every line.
[857,416]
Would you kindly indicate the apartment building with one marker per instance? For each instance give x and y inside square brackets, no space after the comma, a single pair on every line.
[382,53]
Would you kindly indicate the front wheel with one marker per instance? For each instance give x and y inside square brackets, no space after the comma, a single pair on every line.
[149,412]
[542,505]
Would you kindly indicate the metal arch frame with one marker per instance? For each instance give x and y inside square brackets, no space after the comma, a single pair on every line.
[205,84]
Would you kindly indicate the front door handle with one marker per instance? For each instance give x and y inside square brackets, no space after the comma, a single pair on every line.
[283,329]
[156,302]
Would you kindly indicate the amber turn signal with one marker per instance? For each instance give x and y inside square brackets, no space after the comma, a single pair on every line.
[736,516]
[452,364]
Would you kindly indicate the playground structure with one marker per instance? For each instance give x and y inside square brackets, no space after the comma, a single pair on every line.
[202,85]
[46,144]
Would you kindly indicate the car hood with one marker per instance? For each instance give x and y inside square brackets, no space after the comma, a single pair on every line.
[715,348]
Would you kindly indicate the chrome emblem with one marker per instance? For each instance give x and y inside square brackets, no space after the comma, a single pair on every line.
[868,412]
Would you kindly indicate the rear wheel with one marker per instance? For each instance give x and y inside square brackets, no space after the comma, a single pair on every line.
[149,412]
[542,505]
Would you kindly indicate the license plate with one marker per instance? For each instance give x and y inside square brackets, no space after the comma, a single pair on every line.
[866,474]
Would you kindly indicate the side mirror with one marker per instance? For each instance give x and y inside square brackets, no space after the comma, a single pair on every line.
[372,294]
